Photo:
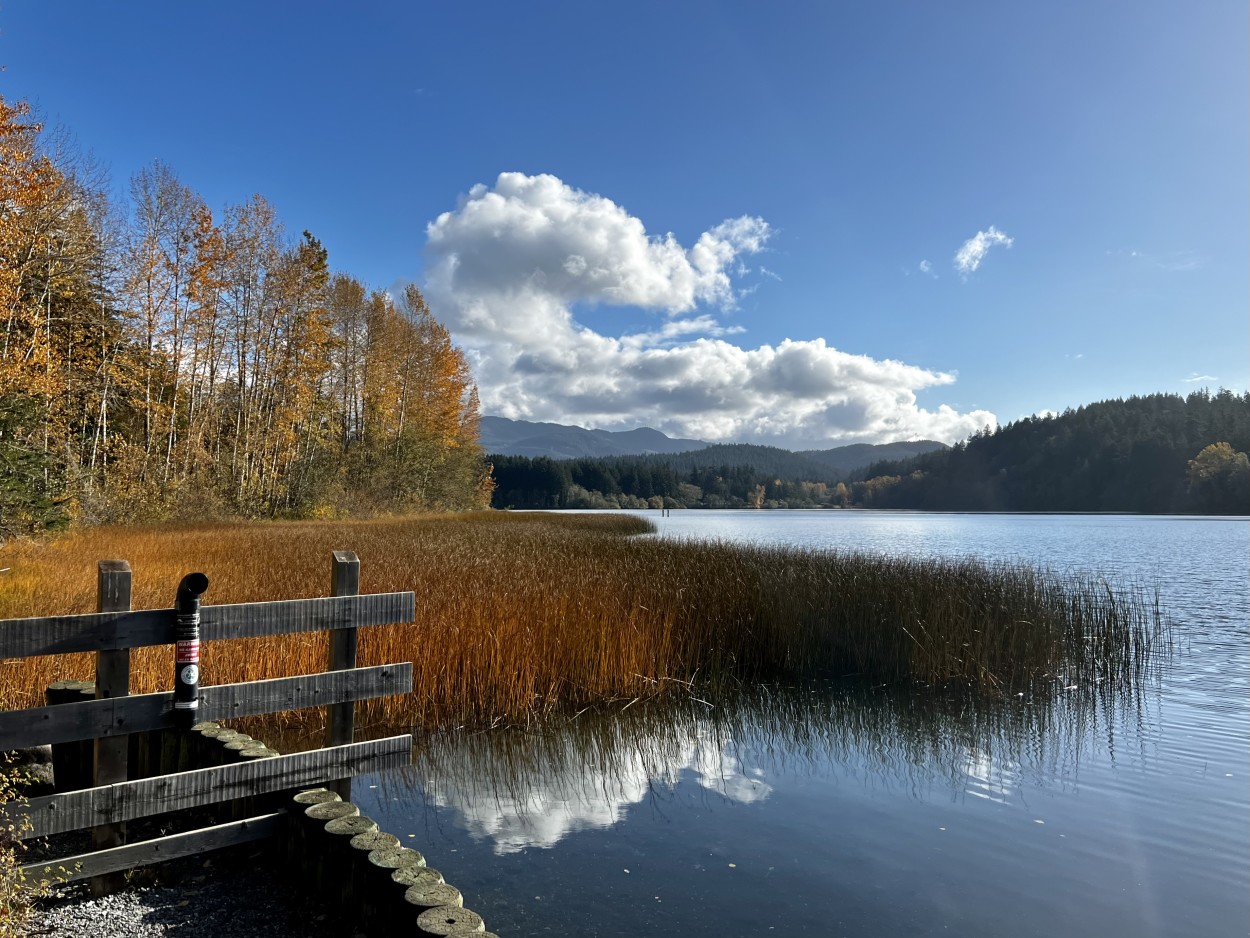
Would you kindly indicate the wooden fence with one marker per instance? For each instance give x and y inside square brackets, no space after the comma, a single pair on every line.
[109,720]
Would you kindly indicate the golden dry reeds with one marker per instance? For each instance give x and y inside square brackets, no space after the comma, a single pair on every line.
[522,614]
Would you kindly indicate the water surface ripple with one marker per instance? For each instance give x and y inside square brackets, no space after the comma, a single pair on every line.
[842,810]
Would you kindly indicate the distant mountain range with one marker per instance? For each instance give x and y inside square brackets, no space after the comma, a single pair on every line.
[557,441]
[505,437]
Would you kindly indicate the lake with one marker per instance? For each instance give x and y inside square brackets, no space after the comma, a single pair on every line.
[839,809]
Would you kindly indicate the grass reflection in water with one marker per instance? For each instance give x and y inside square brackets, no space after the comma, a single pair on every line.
[520,788]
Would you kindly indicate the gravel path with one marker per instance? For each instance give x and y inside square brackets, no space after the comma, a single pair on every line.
[220,896]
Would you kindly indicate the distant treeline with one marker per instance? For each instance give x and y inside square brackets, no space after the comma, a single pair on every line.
[158,359]
[640,482]
[727,475]
[1155,454]
[814,465]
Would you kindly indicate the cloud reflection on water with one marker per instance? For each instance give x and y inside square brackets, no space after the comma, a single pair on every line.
[522,788]
[578,797]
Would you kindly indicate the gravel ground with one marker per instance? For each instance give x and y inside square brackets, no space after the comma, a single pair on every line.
[220,896]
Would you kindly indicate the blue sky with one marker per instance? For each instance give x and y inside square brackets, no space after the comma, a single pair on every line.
[805,158]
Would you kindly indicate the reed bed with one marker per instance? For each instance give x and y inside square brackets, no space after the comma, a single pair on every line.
[521,615]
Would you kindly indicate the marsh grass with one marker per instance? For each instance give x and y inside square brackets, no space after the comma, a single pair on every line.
[520,615]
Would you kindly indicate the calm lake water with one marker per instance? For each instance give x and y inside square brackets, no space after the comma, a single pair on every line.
[828,810]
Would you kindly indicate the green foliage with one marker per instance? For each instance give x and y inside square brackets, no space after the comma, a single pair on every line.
[28,474]
[1219,480]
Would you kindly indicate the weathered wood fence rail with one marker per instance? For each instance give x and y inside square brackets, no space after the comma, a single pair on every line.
[109,720]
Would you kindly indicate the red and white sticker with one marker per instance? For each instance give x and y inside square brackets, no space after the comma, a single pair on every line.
[187,652]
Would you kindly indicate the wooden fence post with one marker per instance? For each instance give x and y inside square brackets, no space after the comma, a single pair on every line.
[112,679]
[89,736]
[341,718]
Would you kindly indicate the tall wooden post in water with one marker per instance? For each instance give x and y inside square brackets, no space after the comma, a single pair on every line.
[341,719]
[112,679]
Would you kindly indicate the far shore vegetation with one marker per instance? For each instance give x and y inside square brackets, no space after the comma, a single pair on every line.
[1155,454]
[521,616]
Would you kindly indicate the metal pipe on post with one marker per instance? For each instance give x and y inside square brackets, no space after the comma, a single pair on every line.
[187,649]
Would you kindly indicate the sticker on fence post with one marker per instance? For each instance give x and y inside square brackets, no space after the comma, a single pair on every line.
[187,649]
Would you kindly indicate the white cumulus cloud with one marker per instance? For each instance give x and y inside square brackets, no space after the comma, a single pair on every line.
[508,268]
[969,256]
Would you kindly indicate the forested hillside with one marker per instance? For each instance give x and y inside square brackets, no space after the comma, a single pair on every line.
[159,359]
[765,460]
[846,459]
[1154,454]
